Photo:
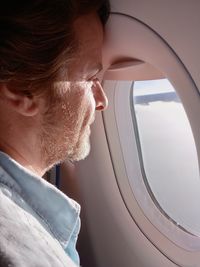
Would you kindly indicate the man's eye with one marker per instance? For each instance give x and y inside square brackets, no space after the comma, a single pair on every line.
[93,78]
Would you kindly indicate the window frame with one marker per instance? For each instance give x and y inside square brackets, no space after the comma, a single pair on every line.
[122,140]
[148,47]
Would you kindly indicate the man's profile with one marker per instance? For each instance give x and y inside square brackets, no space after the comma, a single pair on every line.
[50,56]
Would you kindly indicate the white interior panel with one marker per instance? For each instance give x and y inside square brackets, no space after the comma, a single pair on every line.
[155,39]
[116,239]
[177,22]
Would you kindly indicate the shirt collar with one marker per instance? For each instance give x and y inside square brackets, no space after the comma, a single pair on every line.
[59,211]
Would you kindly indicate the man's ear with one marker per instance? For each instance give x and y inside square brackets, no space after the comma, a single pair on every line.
[23,104]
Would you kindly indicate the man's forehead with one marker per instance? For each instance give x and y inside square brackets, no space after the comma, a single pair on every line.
[88,59]
[89,31]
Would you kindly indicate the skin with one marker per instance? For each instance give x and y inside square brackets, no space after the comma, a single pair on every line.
[41,131]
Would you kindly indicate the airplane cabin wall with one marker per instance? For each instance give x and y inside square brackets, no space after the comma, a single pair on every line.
[111,237]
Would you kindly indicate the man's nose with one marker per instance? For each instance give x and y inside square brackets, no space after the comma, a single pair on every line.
[99,96]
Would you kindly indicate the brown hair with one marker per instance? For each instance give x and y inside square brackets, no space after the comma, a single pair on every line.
[37,38]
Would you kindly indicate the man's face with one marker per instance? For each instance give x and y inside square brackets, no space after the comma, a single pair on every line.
[66,122]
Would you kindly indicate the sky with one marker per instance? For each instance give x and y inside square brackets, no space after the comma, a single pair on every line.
[152,87]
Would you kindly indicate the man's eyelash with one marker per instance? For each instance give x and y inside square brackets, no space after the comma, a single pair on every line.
[93,77]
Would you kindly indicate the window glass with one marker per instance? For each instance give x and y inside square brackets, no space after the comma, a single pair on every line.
[168,153]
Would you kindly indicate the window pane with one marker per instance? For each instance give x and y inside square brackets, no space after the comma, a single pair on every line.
[169,154]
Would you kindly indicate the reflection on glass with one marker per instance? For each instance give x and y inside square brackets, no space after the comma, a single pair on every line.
[168,151]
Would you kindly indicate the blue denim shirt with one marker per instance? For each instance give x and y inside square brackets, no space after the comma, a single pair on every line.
[43,202]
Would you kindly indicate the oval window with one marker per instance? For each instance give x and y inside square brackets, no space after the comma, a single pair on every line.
[168,153]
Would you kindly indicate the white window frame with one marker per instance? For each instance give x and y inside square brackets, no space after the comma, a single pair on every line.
[170,239]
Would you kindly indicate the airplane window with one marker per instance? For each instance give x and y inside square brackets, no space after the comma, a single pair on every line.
[167,153]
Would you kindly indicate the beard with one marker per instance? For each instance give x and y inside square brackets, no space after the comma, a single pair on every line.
[81,150]
[65,133]
[56,149]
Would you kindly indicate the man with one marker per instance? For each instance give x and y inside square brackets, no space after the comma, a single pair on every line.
[50,56]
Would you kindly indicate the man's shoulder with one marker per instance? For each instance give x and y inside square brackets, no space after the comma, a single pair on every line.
[24,241]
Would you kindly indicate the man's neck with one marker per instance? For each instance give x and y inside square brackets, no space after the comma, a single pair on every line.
[24,157]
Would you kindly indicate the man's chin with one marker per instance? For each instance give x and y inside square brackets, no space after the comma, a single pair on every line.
[81,152]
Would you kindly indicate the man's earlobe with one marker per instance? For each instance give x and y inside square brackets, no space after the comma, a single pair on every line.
[23,104]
